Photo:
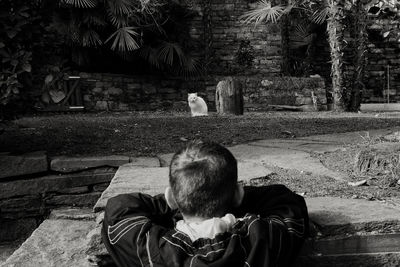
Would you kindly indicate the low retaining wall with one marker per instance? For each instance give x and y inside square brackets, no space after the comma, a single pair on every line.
[31,185]
[102,91]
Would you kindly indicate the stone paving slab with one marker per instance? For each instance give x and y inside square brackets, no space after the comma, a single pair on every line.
[339,215]
[288,153]
[284,158]
[350,137]
[144,162]
[130,179]
[73,164]
[165,159]
[25,164]
[54,243]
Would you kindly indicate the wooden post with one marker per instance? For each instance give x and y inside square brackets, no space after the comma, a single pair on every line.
[229,97]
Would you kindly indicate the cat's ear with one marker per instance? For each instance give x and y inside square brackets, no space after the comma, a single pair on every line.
[195,94]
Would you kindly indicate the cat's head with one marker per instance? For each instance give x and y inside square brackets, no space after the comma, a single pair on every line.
[192,97]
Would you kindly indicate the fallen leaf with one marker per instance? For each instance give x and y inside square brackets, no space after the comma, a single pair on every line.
[183,139]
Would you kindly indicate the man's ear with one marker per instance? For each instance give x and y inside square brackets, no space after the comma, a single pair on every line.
[239,194]
[169,197]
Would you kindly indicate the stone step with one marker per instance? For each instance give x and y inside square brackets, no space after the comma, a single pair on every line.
[26,164]
[56,242]
[347,230]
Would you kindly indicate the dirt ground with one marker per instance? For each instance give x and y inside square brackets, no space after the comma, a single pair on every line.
[148,134]
[376,187]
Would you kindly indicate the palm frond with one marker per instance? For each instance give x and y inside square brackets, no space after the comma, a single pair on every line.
[191,67]
[80,3]
[320,16]
[150,55]
[301,36]
[118,20]
[263,12]
[167,52]
[94,18]
[123,39]
[90,38]
[120,7]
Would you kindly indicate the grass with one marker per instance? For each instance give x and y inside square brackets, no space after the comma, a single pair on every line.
[148,134]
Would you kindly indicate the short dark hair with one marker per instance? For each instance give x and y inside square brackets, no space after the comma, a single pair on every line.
[203,178]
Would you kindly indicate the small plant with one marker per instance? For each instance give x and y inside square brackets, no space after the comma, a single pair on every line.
[53,91]
[17,37]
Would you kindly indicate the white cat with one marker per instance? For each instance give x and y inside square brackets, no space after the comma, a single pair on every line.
[198,106]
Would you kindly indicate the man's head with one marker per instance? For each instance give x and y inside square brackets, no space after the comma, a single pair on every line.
[203,180]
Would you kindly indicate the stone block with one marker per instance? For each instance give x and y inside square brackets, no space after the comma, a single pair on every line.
[74,190]
[101,105]
[97,90]
[73,164]
[25,164]
[13,208]
[53,183]
[73,214]
[133,86]
[100,187]
[144,162]
[79,200]
[132,179]
[114,91]
[54,243]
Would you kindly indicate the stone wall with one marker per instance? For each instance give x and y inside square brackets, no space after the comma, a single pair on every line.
[31,185]
[306,93]
[104,91]
[383,57]
[263,92]
[229,31]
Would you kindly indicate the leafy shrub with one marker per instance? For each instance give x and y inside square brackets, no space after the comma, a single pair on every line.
[18,27]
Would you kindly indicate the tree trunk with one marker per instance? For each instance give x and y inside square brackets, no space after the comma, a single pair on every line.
[360,47]
[229,97]
[335,29]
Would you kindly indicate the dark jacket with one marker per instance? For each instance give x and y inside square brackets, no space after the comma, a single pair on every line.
[138,230]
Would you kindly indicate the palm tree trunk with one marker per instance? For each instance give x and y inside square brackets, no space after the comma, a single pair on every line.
[360,39]
[335,29]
